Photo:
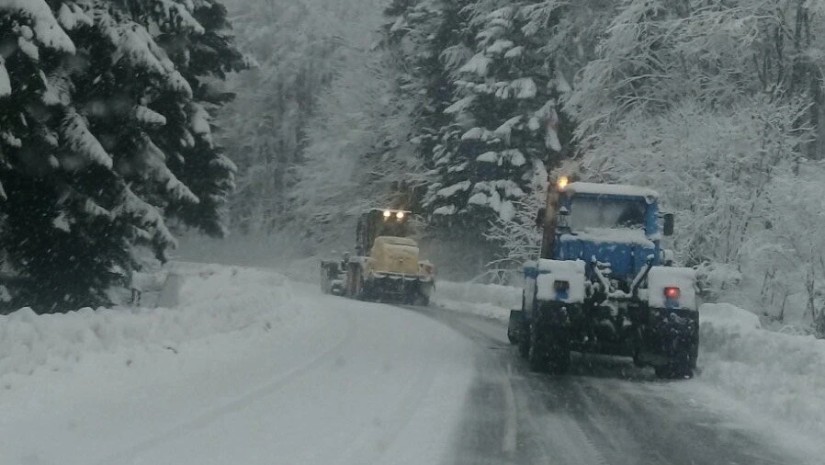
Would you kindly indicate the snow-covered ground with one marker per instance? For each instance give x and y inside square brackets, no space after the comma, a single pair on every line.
[779,377]
[486,300]
[249,367]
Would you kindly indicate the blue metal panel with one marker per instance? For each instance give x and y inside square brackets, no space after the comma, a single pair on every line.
[531,271]
[652,220]
[626,260]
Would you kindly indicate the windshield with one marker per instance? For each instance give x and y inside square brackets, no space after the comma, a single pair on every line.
[592,212]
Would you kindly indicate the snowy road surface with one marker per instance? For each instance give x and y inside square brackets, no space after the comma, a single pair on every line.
[341,382]
[605,412]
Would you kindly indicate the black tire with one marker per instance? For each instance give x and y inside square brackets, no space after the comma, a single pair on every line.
[360,288]
[549,351]
[679,367]
[537,352]
[674,371]
[637,348]
[558,351]
[694,352]
[524,341]
[511,337]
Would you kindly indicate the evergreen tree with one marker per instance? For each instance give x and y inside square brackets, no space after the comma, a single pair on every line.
[430,41]
[504,128]
[102,128]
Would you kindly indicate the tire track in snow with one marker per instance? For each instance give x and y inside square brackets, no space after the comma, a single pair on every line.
[130,454]
[369,449]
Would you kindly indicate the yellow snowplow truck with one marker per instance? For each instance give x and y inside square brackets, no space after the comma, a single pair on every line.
[386,265]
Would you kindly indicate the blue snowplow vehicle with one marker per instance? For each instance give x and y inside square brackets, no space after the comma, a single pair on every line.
[603,284]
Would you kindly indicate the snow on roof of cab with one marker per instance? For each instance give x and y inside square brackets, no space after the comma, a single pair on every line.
[610,189]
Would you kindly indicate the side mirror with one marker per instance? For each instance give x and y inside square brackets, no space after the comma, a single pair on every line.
[668,226]
[540,217]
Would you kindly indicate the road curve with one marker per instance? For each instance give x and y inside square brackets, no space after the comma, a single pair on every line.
[360,383]
[605,412]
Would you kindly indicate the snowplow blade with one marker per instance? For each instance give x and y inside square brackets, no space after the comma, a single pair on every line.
[399,288]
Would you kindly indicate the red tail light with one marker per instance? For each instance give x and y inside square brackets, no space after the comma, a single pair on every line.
[672,293]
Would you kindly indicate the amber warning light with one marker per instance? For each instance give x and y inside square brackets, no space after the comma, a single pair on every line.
[562,182]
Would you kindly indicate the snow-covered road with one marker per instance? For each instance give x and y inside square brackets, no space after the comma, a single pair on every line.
[350,383]
[292,377]
[606,411]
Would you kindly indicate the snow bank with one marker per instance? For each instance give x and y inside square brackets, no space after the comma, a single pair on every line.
[211,300]
[487,300]
[782,375]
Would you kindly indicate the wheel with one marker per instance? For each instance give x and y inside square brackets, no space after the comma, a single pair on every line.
[558,351]
[358,288]
[524,341]
[674,371]
[679,367]
[325,287]
[682,358]
[537,352]
[637,349]
[549,351]
[694,352]
[362,291]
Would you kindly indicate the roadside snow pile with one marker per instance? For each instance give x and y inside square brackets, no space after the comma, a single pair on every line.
[783,375]
[487,300]
[211,300]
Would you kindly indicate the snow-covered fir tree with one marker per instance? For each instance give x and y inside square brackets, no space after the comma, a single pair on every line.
[504,127]
[103,123]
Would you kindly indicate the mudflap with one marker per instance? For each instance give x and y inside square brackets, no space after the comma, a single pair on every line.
[515,327]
